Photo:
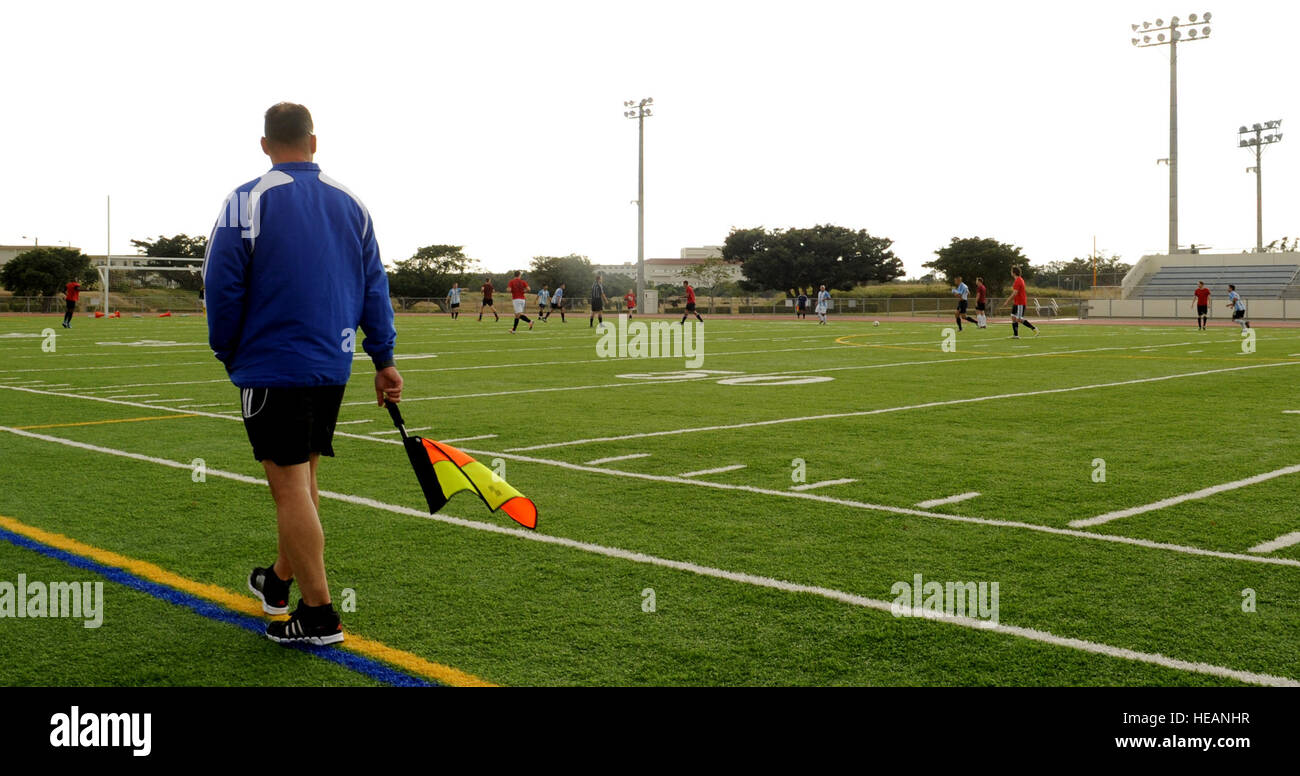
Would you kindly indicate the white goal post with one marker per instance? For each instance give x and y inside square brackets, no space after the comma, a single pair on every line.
[105,264]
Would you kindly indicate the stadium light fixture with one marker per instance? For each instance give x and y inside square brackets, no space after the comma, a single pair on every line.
[1257,144]
[640,111]
[1171,39]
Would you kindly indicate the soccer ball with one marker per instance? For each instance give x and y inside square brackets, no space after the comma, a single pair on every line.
[875,323]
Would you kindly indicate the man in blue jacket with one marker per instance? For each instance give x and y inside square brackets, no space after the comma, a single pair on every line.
[292,270]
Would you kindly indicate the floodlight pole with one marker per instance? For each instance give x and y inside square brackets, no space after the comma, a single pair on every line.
[1174,35]
[1257,143]
[639,110]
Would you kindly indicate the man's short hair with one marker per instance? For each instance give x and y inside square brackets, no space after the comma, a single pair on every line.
[288,124]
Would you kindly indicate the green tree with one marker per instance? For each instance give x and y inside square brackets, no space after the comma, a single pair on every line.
[1077,272]
[572,269]
[836,256]
[45,271]
[429,273]
[711,275]
[180,246]
[973,257]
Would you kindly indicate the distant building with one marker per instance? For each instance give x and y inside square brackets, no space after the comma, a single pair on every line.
[670,271]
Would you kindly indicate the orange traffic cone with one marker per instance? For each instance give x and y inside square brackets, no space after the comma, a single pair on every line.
[167,314]
[99,314]
[115,314]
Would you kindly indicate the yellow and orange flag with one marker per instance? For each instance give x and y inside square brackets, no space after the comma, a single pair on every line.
[444,471]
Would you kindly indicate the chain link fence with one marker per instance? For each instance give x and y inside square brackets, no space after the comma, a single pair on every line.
[864,306]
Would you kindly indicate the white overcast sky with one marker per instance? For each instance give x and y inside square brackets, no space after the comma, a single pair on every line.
[499,125]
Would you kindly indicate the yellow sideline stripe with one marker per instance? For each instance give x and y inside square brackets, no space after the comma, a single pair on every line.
[240,603]
[102,422]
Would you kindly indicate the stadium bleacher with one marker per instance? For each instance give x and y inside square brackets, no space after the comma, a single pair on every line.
[1269,281]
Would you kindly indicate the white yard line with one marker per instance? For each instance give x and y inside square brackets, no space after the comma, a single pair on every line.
[395,431]
[733,467]
[160,401]
[1031,634]
[883,410]
[349,422]
[614,458]
[1090,535]
[116,366]
[936,502]
[1280,543]
[154,385]
[1175,500]
[822,484]
[1184,549]
[199,406]
[469,438]
[132,395]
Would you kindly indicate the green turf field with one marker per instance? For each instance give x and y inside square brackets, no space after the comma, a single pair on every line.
[759,576]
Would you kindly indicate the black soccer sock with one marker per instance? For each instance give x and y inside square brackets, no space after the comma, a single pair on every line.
[516,326]
[1030,325]
[1015,328]
[959,324]
[319,614]
[525,319]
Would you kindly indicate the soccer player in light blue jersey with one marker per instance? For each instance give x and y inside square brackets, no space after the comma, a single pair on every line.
[453,300]
[823,304]
[963,299]
[557,302]
[543,299]
[1238,307]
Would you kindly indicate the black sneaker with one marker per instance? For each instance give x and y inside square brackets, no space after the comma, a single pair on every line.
[308,625]
[270,589]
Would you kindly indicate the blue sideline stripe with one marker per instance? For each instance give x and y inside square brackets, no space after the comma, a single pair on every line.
[362,665]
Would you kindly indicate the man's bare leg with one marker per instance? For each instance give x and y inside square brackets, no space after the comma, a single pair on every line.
[302,540]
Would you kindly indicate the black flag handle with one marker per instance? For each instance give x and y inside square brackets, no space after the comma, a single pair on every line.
[396,415]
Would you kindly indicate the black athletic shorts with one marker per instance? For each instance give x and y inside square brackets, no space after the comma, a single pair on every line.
[1238,314]
[690,307]
[979,306]
[555,305]
[454,305]
[1202,309]
[287,425]
[597,305]
[961,305]
[487,302]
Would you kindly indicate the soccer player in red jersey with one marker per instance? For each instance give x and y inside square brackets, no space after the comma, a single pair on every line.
[71,294]
[487,300]
[690,304]
[1202,295]
[629,299]
[518,287]
[1018,300]
[981,302]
